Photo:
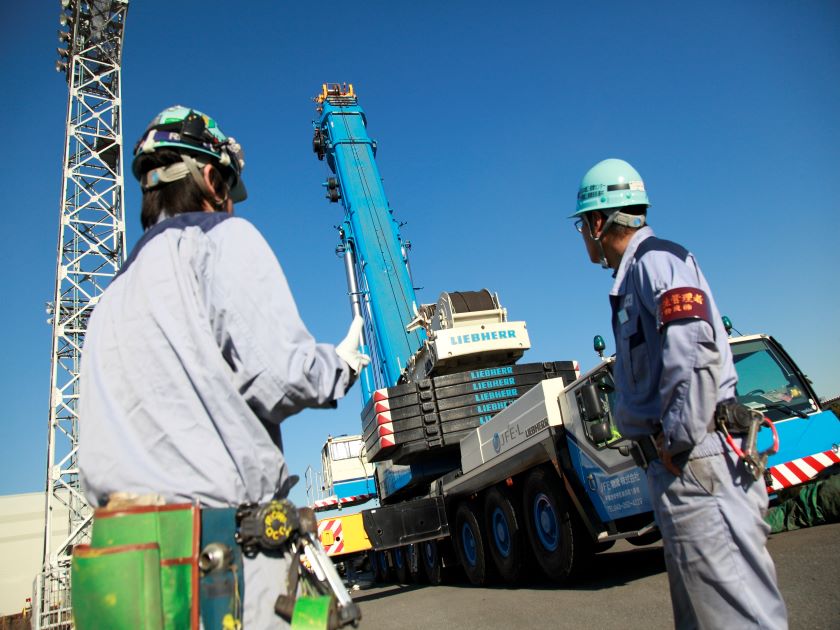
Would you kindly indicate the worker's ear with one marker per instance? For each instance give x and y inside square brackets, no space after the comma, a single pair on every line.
[596,224]
[206,172]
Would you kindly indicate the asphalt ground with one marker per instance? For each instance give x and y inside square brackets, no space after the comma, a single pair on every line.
[625,588]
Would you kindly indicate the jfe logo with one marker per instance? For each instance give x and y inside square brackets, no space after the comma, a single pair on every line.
[506,437]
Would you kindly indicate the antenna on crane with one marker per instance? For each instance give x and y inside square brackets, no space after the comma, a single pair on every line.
[91,249]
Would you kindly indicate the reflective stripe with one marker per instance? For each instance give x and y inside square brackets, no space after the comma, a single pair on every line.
[801,470]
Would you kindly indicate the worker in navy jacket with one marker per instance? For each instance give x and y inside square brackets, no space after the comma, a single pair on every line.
[196,352]
[672,367]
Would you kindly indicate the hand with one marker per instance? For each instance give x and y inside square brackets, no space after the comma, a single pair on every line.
[665,456]
[348,348]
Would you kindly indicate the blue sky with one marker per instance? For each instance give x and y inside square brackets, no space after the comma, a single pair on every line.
[486,116]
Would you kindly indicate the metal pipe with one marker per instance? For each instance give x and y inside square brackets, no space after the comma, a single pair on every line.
[352,284]
[368,380]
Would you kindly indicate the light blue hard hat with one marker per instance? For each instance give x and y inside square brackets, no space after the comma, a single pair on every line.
[610,184]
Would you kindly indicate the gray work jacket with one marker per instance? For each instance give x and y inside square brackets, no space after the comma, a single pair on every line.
[667,377]
[193,356]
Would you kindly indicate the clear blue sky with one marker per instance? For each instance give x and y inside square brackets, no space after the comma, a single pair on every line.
[486,115]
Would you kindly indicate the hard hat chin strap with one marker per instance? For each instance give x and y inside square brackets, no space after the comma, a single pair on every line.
[603,255]
[619,218]
[195,167]
[597,240]
[188,167]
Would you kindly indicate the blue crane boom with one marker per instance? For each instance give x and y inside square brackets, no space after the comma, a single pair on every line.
[375,254]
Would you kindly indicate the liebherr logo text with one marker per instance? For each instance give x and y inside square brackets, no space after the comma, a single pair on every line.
[496,382]
[489,372]
[534,428]
[485,336]
[502,393]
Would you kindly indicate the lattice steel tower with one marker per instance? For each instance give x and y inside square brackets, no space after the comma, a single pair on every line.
[91,249]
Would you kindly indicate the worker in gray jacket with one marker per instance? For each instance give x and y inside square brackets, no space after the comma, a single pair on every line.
[196,352]
[673,367]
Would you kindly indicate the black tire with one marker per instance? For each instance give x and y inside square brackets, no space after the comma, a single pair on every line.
[471,546]
[381,566]
[400,558]
[415,565]
[646,539]
[558,539]
[430,562]
[509,549]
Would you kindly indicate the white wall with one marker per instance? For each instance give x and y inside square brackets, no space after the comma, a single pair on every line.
[21,546]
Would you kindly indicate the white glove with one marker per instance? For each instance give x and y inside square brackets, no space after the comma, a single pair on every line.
[348,348]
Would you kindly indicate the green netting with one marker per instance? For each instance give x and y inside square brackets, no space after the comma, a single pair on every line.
[815,504]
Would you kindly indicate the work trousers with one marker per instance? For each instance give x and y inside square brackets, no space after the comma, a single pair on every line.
[265,579]
[711,518]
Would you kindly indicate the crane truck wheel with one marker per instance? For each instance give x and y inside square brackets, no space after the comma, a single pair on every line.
[401,565]
[382,567]
[471,545]
[415,564]
[431,562]
[559,541]
[505,534]
[374,568]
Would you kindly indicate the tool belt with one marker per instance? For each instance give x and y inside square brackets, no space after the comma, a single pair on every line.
[180,566]
[162,566]
[730,418]
[644,451]
[733,418]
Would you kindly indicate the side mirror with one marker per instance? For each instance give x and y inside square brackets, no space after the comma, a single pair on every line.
[596,422]
[604,383]
[591,397]
[600,431]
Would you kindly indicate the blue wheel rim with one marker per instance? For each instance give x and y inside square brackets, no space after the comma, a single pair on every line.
[546,522]
[501,532]
[468,545]
[430,553]
[383,562]
[398,557]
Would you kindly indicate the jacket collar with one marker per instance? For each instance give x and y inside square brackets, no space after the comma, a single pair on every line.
[640,235]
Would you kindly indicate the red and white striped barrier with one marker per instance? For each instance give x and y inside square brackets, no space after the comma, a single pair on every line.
[332,525]
[801,470]
[333,501]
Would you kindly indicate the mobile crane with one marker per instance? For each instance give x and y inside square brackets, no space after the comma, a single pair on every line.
[506,463]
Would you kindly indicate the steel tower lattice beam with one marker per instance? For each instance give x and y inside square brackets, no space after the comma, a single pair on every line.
[91,249]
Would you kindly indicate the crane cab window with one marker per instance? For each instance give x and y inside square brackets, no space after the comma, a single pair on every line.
[767,381]
[345,450]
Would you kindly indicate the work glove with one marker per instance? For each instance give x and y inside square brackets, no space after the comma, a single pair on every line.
[348,348]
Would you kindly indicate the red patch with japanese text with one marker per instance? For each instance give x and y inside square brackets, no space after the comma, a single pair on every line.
[683,303]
